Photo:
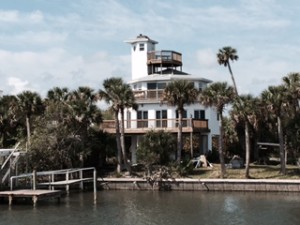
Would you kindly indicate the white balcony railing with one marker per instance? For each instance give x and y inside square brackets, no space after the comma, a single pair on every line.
[171,124]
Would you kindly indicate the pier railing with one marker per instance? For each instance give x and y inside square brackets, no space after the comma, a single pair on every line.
[57,178]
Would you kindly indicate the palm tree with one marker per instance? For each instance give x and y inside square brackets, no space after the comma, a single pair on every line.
[218,95]
[29,103]
[8,120]
[58,94]
[247,114]
[85,114]
[56,101]
[120,96]
[180,93]
[224,56]
[128,102]
[83,104]
[292,83]
[275,100]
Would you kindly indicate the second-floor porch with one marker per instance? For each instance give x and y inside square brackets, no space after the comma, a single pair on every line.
[148,95]
[142,126]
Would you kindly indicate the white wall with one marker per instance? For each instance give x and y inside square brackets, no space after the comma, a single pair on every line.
[139,66]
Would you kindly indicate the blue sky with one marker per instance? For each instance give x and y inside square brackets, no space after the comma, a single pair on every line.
[72,43]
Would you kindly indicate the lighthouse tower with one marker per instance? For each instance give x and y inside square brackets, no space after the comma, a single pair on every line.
[140,46]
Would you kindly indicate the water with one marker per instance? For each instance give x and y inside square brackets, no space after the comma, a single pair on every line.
[158,208]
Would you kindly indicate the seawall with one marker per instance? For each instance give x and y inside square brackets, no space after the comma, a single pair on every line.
[187,184]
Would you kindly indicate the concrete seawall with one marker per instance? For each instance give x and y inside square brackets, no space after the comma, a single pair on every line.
[186,184]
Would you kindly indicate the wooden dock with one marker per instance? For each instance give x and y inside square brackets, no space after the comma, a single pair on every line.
[35,195]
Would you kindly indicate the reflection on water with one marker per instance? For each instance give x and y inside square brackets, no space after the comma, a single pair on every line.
[163,208]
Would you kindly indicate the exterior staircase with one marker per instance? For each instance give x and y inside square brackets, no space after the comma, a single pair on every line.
[9,159]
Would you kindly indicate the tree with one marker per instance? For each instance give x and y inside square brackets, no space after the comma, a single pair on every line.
[8,120]
[224,56]
[85,113]
[155,147]
[128,101]
[179,93]
[275,99]
[245,111]
[120,96]
[292,84]
[29,104]
[218,95]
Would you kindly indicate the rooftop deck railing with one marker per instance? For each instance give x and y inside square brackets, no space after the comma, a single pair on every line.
[164,56]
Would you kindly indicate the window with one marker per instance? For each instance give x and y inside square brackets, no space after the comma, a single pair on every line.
[142,119]
[199,114]
[161,85]
[161,118]
[201,86]
[142,47]
[137,86]
[151,86]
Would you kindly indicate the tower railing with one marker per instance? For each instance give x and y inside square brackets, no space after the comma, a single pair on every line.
[164,57]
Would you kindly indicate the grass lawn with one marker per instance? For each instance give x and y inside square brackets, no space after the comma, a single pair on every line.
[256,172]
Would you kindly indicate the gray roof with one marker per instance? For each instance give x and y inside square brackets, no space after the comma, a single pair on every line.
[170,77]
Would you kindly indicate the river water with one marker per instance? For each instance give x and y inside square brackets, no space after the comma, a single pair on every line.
[158,208]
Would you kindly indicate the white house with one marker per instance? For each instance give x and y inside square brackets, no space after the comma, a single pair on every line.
[152,70]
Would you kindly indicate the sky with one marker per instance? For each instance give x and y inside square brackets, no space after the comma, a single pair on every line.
[71,43]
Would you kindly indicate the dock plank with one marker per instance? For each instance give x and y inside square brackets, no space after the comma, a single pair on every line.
[27,193]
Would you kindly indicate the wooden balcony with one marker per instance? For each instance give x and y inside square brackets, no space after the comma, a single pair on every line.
[164,58]
[170,125]
[148,95]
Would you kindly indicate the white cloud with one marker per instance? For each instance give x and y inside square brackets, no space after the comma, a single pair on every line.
[17,85]
[36,16]
[9,16]
[206,57]
[15,16]
[41,71]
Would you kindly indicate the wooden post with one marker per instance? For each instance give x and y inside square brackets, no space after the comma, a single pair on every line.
[52,180]
[49,181]
[16,173]
[67,181]
[191,143]
[34,200]
[34,180]
[81,177]
[10,200]
[95,185]
[11,183]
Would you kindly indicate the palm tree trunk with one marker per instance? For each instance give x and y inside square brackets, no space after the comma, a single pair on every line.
[221,154]
[179,136]
[247,137]
[281,146]
[123,142]
[233,80]
[28,131]
[118,140]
